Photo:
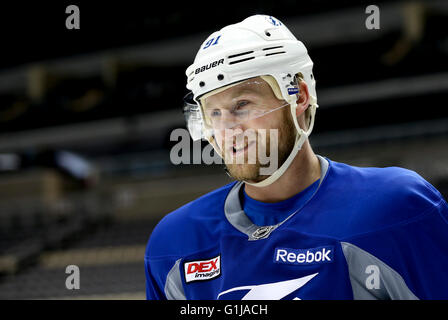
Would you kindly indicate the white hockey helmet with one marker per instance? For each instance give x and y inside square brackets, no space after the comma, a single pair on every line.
[259,46]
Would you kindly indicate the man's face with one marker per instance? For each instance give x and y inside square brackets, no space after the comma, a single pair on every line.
[250,124]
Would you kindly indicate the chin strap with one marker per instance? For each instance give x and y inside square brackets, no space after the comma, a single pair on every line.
[301,136]
[300,139]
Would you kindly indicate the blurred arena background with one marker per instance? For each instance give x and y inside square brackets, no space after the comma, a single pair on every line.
[86,117]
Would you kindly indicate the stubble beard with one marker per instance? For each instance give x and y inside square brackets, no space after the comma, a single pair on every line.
[250,172]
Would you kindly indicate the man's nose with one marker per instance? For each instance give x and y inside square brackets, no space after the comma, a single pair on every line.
[228,120]
[226,114]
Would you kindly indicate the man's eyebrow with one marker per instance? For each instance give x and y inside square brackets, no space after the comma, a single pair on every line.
[237,92]
[240,90]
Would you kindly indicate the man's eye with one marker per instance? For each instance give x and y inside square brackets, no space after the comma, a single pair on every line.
[215,113]
[241,104]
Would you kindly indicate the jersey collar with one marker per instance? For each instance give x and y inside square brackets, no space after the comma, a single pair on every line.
[237,217]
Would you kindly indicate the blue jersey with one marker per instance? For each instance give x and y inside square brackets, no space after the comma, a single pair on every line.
[362,233]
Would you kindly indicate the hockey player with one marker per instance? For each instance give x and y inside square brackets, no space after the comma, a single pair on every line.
[311,229]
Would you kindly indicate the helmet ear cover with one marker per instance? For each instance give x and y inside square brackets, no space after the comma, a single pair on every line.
[298,78]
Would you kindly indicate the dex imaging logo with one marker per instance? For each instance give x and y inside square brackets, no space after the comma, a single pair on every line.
[202,269]
[304,256]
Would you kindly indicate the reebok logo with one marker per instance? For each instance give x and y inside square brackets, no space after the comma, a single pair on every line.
[202,269]
[304,256]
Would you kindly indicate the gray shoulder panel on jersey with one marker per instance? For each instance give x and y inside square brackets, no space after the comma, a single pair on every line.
[174,289]
[236,216]
[361,266]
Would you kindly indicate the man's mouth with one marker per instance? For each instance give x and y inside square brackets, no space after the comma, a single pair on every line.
[238,149]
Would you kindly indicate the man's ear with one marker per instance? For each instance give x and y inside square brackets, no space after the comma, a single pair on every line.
[303,98]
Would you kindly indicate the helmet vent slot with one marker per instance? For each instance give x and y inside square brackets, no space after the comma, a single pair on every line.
[241,60]
[271,48]
[239,54]
[272,53]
